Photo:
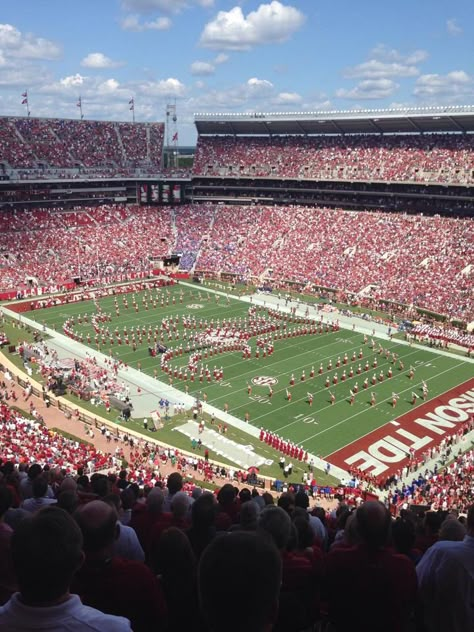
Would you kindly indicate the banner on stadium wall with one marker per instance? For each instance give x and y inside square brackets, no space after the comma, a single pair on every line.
[143,190]
[155,193]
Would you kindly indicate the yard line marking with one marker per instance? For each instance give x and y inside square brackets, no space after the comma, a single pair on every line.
[352,416]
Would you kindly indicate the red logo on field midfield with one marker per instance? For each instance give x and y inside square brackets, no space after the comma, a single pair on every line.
[389,448]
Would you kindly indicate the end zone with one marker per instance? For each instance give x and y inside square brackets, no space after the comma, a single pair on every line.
[391,447]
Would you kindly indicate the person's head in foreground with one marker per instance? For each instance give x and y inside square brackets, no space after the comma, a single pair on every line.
[231,566]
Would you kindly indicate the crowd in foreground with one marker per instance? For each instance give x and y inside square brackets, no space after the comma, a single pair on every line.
[98,553]
[413,260]
[137,549]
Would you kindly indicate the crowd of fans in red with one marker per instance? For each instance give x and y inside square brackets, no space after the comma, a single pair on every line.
[150,549]
[425,261]
[443,158]
[56,246]
[62,143]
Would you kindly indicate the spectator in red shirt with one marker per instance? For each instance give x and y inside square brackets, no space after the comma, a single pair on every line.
[111,584]
[178,518]
[7,575]
[174,562]
[203,527]
[299,588]
[230,566]
[228,507]
[370,575]
[146,516]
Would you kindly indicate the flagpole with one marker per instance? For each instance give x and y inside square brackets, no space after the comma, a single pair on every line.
[131,103]
[25,102]
[79,105]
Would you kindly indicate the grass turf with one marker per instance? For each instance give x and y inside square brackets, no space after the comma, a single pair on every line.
[321,428]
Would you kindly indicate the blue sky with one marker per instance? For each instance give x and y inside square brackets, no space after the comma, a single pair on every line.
[233,56]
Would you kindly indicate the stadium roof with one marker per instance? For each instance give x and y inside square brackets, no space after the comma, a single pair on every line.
[414,120]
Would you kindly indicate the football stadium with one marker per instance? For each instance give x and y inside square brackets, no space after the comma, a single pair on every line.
[273,340]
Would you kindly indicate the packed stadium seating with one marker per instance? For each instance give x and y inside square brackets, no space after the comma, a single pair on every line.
[442,158]
[353,554]
[425,261]
[169,525]
[56,246]
[26,441]
[410,259]
[27,143]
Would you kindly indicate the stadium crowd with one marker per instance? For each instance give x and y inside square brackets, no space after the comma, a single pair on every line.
[146,540]
[118,553]
[64,143]
[424,261]
[414,260]
[57,246]
[438,158]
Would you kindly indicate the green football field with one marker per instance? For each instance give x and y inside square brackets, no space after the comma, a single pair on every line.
[321,428]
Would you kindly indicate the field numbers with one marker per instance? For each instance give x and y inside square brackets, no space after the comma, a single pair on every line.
[261,399]
[306,419]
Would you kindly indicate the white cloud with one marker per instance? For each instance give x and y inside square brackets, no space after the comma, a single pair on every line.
[386,63]
[207,68]
[384,53]
[369,89]
[202,68]
[164,6]
[32,76]
[99,60]
[375,69]
[453,27]
[133,23]
[453,86]
[108,86]
[72,81]
[170,87]
[287,98]
[221,58]
[15,44]
[259,87]
[269,24]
